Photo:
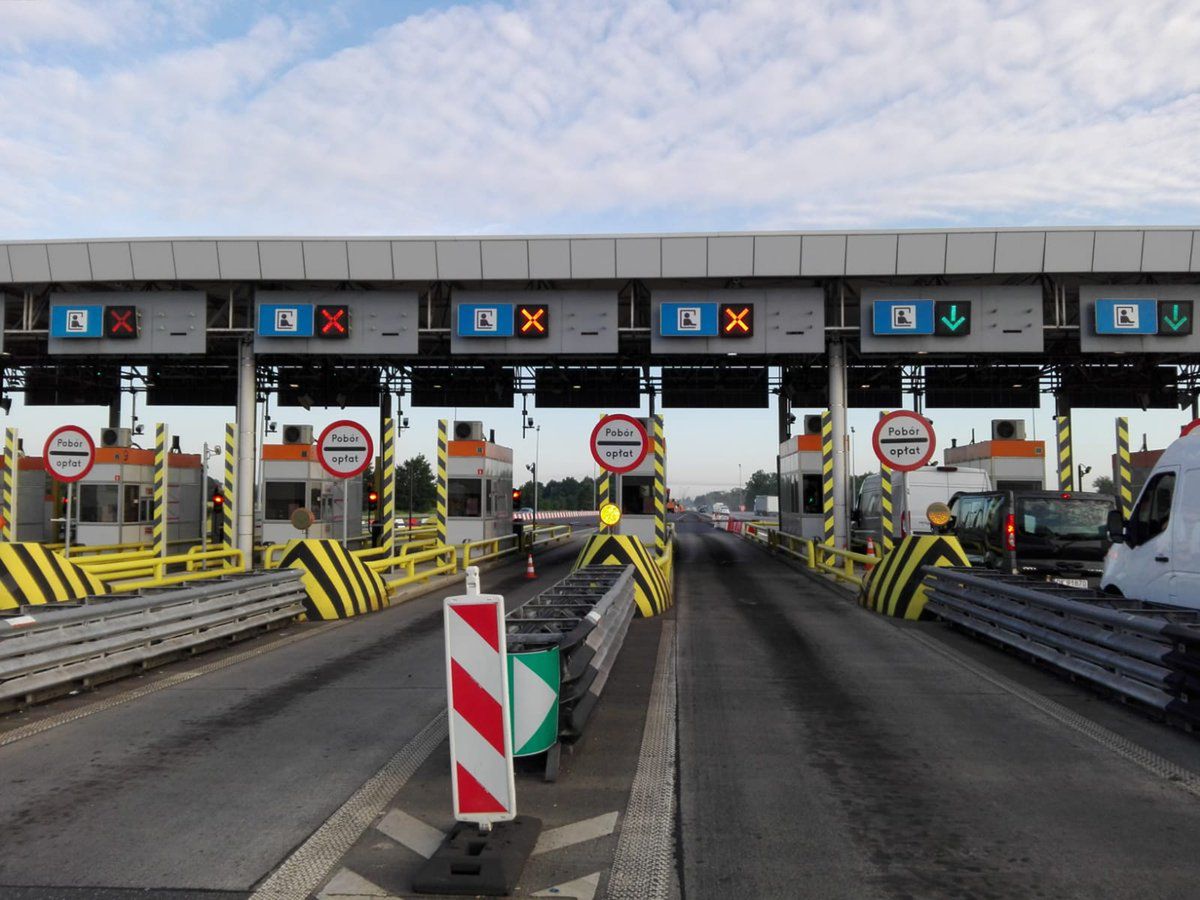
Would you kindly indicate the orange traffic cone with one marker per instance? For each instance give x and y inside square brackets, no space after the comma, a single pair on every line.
[870,551]
[529,571]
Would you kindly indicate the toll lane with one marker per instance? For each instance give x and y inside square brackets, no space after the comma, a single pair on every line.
[210,783]
[826,752]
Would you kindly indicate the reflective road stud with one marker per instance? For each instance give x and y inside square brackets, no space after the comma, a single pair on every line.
[481,757]
[1124,468]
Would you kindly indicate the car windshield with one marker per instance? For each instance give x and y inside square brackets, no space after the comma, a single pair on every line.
[1065,519]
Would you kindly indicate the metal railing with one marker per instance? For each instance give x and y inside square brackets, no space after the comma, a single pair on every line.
[444,562]
[844,565]
[51,650]
[1145,652]
[475,552]
[130,572]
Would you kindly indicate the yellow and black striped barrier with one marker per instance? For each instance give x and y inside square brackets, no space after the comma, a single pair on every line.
[828,533]
[387,487]
[651,582]
[603,488]
[160,490]
[888,517]
[1066,463]
[896,586]
[660,488]
[337,584]
[228,533]
[8,525]
[1124,469]
[443,480]
[31,575]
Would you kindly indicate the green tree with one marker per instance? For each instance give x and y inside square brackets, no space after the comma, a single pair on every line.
[1104,485]
[417,474]
[760,483]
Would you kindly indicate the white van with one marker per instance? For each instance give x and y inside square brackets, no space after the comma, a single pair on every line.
[1155,556]
[912,493]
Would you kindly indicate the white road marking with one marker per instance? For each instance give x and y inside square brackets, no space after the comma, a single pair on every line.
[347,884]
[580,889]
[575,833]
[411,832]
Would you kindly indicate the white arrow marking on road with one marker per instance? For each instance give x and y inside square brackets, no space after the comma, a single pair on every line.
[580,889]
[575,833]
[411,832]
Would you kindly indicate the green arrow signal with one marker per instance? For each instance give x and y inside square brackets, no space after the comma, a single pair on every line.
[954,320]
[1175,321]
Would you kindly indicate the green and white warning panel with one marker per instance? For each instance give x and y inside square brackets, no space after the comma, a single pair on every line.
[533,684]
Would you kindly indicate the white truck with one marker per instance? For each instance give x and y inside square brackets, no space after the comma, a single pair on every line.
[766,503]
[912,493]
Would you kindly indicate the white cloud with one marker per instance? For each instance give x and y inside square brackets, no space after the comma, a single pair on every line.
[687,115]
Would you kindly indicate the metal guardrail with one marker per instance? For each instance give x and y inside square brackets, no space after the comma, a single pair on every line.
[129,572]
[444,559]
[818,557]
[512,543]
[586,616]
[1146,652]
[54,649]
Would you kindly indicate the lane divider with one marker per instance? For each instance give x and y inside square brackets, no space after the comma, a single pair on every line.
[337,584]
[31,575]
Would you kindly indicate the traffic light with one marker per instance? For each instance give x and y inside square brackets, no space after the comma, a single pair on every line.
[516,497]
[533,321]
[737,320]
[952,318]
[1174,318]
[218,499]
[332,322]
[121,322]
[372,499]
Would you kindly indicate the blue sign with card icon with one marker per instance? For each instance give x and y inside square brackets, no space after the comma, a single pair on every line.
[902,317]
[485,320]
[1126,316]
[292,320]
[689,320]
[81,321]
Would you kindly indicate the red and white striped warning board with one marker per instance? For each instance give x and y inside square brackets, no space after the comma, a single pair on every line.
[481,756]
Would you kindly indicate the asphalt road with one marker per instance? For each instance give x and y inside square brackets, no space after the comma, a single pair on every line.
[827,752]
[209,784]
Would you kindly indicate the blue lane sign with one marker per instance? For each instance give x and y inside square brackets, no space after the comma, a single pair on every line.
[1126,316]
[689,320]
[285,320]
[902,317]
[480,320]
[76,321]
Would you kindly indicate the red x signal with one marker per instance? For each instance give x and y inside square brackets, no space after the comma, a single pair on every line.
[737,321]
[333,321]
[533,321]
[120,322]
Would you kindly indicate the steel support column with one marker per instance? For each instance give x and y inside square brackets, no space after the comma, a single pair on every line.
[245,416]
[837,409]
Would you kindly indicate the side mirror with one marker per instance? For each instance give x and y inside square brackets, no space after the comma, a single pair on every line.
[1116,526]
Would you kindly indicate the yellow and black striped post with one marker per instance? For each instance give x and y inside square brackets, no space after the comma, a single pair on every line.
[160,489]
[1066,462]
[443,480]
[387,484]
[8,530]
[886,515]
[660,487]
[228,530]
[603,489]
[827,475]
[1124,468]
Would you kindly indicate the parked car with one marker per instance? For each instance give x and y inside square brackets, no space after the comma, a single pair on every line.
[912,493]
[1060,536]
[1155,556]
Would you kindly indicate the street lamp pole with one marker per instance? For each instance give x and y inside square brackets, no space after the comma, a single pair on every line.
[537,449]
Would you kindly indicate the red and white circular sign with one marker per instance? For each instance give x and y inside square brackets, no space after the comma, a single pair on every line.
[70,453]
[344,449]
[1189,428]
[903,440]
[619,443]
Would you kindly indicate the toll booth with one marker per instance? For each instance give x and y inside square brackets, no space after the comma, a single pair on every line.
[1012,464]
[800,511]
[479,480]
[115,502]
[37,500]
[635,491]
[293,480]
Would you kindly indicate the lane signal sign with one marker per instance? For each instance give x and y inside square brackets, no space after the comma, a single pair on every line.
[737,320]
[1174,318]
[533,321]
[333,322]
[121,322]
[951,318]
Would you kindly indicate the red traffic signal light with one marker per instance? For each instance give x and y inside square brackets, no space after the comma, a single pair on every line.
[218,498]
[333,321]
[737,320]
[372,499]
[121,322]
[516,496]
[533,321]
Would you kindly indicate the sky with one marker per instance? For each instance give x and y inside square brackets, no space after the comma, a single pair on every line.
[205,117]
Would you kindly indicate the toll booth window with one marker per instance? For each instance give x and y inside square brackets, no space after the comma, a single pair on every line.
[131,504]
[465,497]
[812,493]
[281,499]
[98,503]
[637,495]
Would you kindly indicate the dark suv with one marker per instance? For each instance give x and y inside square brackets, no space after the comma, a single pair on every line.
[1056,535]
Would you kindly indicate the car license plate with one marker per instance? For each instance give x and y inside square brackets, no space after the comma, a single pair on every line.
[1072,582]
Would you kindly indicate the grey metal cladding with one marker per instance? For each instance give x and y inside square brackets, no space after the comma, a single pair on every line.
[505,260]
[684,257]
[731,257]
[1166,251]
[787,321]
[1117,251]
[172,324]
[777,254]
[639,258]
[793,320]
[5,268]
[240,259]
[823,254]
[1068,251]
[458,260]
[152,260]
[196,260]
[1195,266]
[414,260]
[581,321]
[326,260]
[970,253]
[69,262]
[1090,342]
[370,260]
[871,254]
[382,323]
[1005,319]
[1020,251]
[280,260]
[111,261]
[921,254]
[30,262]
[550,258]
[593,258]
